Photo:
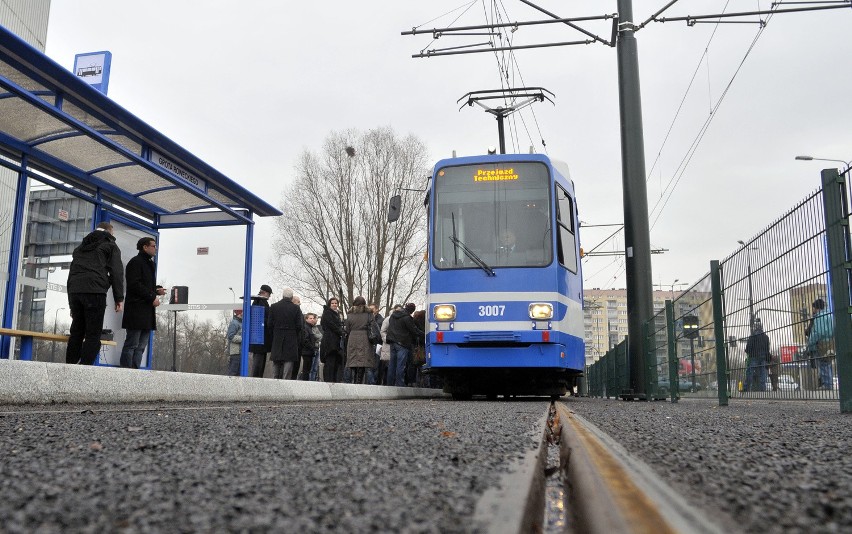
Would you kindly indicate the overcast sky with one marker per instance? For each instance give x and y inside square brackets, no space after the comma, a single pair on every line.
[247,86]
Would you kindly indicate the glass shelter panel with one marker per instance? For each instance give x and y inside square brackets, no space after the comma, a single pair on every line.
[498,211]
[56,223]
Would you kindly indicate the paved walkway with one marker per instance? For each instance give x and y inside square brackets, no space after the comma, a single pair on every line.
[753,466]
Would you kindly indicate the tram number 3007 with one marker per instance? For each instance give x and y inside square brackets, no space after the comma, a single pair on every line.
[492,311]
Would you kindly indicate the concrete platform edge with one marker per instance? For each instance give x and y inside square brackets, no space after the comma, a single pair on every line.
[26,382]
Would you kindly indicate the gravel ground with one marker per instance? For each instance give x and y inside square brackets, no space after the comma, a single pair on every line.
[402,466]
[751,466]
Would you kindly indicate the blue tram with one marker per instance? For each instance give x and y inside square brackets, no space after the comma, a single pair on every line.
[504,289]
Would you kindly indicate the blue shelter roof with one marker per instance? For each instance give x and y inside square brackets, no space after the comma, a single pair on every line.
[70,134]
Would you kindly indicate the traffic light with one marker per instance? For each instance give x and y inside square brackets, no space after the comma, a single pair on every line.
[690,326]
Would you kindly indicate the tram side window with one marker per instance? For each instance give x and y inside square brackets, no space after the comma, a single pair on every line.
[566,245]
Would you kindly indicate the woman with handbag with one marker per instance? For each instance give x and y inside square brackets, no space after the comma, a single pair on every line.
[359,354]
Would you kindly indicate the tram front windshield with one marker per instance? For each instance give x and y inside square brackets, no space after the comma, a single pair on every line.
[498,212]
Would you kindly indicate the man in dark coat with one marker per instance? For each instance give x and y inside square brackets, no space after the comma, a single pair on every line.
[331,346]
[142,297]
[403,332]
[259,350]
[95,267]
[757,349]
[285,322]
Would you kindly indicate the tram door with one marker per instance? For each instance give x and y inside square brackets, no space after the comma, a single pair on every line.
[126,236]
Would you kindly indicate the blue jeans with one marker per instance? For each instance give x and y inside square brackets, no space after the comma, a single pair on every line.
[396,368]
[314,367]
[826,379]
[135,343]
[756,374]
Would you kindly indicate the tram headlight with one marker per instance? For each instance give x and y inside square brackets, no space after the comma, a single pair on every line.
[444,312]
[541,310]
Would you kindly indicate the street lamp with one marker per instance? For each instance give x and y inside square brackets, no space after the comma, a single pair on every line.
[234,295]
[53,348]
[750,293]
[690,332]
[811,158]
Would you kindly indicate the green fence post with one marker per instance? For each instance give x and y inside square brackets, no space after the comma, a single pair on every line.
[650,385]
[836,206]
[672,343]
[625,384]
[719,331]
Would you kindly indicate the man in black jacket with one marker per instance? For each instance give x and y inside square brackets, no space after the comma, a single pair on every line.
[142,298]
[259,350]
[402,333]
[95,266]
[285,321]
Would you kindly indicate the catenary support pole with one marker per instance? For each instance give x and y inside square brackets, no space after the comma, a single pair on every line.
[636,232]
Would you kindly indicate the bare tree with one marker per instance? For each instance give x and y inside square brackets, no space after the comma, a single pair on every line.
[334,232]
[201,345]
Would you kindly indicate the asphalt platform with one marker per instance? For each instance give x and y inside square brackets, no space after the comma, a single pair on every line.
[752,466]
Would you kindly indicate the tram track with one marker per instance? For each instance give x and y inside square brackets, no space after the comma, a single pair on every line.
[581,481]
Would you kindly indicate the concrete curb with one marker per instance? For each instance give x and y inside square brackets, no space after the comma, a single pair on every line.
[26,382]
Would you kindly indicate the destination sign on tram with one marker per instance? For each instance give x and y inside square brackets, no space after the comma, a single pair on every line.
[495,175]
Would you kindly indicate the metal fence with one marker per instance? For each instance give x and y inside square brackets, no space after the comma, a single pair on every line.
[712,340]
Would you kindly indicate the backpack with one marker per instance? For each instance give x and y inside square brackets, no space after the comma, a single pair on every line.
[374,334]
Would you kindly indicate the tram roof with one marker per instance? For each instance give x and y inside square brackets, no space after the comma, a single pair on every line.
[71,132]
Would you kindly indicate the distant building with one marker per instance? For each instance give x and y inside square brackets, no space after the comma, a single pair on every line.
[27,19]
[605,320]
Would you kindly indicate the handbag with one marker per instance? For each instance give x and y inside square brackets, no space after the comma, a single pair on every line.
[374,335]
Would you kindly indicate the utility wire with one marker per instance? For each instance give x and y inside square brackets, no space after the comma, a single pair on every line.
[703,130]
[681,170]
[469,5]
[685,95]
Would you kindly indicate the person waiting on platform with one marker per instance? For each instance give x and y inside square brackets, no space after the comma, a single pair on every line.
[360,355]
[285,322]
[95,267]
[821,343]
[143,297]
[259,350]
[332,342]
[235,339]
[757,349]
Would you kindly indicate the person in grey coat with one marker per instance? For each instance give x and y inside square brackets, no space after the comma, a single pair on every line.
[235,340]
[359,353]
[286,324]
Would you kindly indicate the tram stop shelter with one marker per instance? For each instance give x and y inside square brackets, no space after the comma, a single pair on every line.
[70,158]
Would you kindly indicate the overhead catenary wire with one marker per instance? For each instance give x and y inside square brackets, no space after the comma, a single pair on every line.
[507,68]
[467,7]
[685,95]
[681,169]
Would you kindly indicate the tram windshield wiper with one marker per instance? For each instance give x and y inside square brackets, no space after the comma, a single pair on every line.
[472,255]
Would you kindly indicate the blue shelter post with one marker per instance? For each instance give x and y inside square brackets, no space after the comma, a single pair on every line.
[244,348]
[14,258]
